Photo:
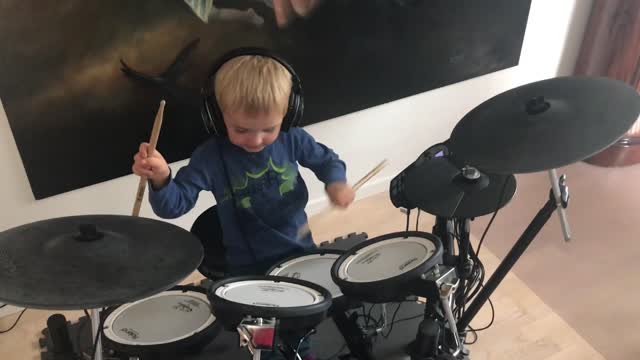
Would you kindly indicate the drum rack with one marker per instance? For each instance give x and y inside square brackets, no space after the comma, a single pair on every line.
[428,341]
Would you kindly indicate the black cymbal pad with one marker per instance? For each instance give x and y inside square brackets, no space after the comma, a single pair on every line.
[92,261]
[545,124]
[438,187]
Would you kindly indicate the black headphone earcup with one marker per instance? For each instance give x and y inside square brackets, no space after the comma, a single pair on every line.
[294,113]
[212,116]
[217,120]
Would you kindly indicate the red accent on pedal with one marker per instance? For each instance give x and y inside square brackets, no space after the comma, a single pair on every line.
[263,338]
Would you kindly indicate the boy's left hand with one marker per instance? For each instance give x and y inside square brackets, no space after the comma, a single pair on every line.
[341,194]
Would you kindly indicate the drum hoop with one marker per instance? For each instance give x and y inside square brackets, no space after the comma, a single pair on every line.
[109,320]
[315,252]
[342,270]
[320,306]
[300,258]
[318,297]
[338,266]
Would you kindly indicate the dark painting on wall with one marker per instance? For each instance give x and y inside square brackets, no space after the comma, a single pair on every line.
[82,79]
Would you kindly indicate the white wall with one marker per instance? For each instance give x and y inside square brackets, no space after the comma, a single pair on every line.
[398,131]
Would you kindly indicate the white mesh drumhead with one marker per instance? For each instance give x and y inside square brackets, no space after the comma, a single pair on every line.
[269,293]
[314,268]
[386,259]
[163,318]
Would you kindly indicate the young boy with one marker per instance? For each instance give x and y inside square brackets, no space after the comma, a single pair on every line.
[263,209]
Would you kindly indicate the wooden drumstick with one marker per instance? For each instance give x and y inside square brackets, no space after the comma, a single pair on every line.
[305,229]
[155,133]
[370,174]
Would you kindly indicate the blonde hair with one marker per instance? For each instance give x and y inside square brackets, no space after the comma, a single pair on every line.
[254,84]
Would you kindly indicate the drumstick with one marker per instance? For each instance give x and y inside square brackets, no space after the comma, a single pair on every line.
[305,229]
[155,133]
[370,174]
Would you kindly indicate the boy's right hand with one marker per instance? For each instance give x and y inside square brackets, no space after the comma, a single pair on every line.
[153,166]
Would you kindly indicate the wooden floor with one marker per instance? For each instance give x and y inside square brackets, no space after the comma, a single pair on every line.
[524,329]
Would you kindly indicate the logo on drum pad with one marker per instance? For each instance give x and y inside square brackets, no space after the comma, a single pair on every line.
[294,275]
[406,263]
[184,307]
[257,303]
[268,288]
[132,333]
[370,258]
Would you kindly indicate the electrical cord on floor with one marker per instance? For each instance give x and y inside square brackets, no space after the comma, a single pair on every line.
[14,324]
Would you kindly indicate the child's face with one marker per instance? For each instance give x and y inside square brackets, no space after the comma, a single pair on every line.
[253,131]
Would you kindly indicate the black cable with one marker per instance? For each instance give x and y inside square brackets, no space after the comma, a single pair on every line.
[312,331]
[3,305]
[493,313]
[418,221]
[369,316]
[408,318]
[14,324]
[475,337]
[408,217]
[393,318]
[504,189]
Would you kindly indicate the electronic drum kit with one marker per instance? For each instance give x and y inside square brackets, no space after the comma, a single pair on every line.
[130,266]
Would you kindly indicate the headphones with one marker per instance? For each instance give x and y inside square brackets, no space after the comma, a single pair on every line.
[211,113]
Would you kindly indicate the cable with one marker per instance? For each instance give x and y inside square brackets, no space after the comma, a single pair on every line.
[504,188]
[418,221]
[493,313]
[475,337]
[408,217]
[3,305]
[297,353]
[393,318]
[14,324]
[408,318]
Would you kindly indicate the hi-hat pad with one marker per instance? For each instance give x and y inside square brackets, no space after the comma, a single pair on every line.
[441,188]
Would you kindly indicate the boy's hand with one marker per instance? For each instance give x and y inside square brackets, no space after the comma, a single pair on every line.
[341,194]
[153,166]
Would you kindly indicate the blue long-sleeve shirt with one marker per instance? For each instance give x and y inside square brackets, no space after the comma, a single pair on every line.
[261,217]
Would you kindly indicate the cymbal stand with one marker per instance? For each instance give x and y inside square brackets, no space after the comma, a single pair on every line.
[514,254]
[556,183]
[96,331]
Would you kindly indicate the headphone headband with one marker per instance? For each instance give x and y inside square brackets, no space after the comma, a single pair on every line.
[211,112]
